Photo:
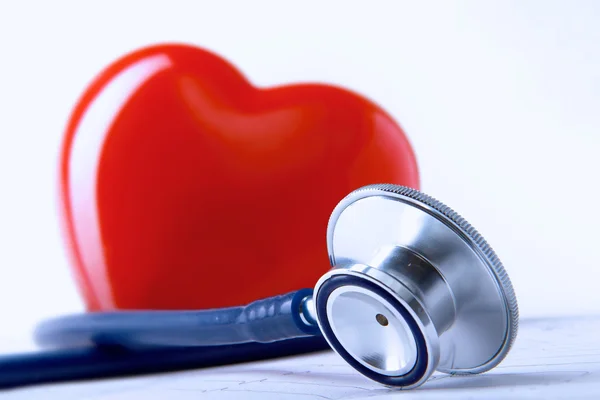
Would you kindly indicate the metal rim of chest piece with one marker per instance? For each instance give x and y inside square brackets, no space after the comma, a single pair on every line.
[413,288]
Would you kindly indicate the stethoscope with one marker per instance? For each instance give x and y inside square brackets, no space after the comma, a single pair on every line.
[413,288]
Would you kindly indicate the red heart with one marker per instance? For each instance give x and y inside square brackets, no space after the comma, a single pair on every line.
[183,186]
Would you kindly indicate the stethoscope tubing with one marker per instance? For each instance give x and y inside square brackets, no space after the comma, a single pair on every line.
[103,362]
[262,321]
[98,345]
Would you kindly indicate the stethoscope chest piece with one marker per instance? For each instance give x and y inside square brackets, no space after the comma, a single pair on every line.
[413,289]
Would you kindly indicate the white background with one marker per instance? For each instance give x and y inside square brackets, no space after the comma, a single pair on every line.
[501,100]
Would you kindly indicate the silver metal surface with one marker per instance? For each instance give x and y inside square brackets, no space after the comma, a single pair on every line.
[405,297]
[371,330]
[308,314]
[421,278]
[434,263]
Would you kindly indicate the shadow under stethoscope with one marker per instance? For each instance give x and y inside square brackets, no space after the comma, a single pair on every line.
[326,385]
[492,380]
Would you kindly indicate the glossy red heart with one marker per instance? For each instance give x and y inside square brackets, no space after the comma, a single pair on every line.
[183,186]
